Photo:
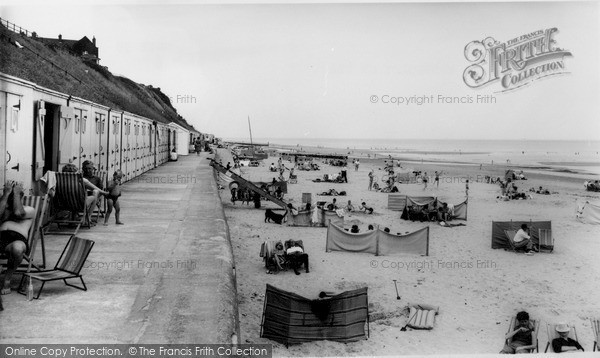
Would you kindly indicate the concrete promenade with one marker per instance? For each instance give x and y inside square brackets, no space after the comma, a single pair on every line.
[166,276]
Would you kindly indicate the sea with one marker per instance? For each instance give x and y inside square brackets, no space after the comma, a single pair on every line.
[582,156]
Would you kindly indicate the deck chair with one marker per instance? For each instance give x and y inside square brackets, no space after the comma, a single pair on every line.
[552,334]
[38,203]
[267,252]
[510,235]
[596,328]
[69,264]
[293,179]
[70,197]
[534,334]
[546,240]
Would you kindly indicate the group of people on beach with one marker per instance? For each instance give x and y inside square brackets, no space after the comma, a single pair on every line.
[522,338]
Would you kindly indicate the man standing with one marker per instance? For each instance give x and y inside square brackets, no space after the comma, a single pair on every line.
[345,173]
[371,175]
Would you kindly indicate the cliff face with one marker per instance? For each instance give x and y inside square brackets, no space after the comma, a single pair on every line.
[58,69]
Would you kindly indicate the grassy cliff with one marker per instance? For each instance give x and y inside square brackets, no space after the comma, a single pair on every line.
[55,68]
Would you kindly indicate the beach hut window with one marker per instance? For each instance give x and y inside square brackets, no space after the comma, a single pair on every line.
[102,125]
[77,123]
[14,122]
[83,124]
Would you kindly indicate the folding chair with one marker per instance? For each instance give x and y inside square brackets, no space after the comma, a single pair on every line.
[534,334]
[267,253]
[596,328]
[69,264]
[546,240]
[38,203]
[293,179]
[70,196]
[552,334]
[510,235]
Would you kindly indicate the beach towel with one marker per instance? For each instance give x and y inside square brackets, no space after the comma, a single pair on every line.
[49,183]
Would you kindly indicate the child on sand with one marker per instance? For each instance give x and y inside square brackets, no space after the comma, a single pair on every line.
[114,192]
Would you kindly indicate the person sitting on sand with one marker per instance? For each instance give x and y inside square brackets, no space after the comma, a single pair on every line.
[564,344]
[15,222]
[333,205]
[297,257]
[112,199]
[521,338]
[272,167]
[443,211]
[543,191]
[522,239]
[371,227]
[354,229]
[349,207]
[511,190]
[367,209]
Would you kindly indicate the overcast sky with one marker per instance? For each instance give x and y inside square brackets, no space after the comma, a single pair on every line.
[313,69]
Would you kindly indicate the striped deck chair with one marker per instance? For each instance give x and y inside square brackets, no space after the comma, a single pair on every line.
[38,203]
[510,235]
[70,196]
[596,328]
[546,240]
[289,318]
[534,334]
[552,334]
[69,264]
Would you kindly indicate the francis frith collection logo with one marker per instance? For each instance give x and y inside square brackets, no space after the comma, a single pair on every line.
[516,62]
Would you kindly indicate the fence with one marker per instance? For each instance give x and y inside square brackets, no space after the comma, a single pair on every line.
[18,29]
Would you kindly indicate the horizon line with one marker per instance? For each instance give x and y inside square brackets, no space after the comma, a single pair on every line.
[441,139]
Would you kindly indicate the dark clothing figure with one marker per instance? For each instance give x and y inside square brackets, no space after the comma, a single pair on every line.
[558,343]
[297,260]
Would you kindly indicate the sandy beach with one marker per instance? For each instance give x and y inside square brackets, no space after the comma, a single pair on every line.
[477,288]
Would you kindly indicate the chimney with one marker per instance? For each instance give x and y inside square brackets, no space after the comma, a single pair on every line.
[59,36]
[94,40]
